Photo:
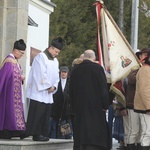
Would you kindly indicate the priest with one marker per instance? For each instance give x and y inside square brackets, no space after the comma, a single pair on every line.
[42,84]
[12,123]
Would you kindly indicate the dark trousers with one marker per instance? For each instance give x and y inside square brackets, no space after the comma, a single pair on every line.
[89,147]
[38,118]
[54,129]
[110,121]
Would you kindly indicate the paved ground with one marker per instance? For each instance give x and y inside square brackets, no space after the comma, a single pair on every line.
[115,145]
[28,141]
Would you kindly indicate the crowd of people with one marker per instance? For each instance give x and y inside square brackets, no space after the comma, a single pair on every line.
[133,133]
[79,97]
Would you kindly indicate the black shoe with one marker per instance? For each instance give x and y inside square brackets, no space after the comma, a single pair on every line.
[122,148]
[131,146]
[40,138]
[23,136]
[7,138]
[145,148]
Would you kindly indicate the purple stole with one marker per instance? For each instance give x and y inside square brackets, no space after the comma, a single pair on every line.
[11,106]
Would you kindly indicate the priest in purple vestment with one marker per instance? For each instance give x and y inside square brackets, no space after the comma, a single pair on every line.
[12,123]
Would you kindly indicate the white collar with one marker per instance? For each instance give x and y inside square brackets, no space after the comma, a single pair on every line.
[12,55]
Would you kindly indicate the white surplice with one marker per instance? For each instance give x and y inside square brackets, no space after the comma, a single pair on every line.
[44,74]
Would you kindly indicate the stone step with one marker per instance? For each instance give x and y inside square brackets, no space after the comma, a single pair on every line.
[28,144]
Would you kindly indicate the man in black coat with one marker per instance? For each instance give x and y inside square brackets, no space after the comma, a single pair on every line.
[90,100]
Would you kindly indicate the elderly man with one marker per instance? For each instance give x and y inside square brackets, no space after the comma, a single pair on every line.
[89,98]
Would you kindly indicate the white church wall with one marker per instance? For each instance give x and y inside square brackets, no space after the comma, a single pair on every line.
[37,37]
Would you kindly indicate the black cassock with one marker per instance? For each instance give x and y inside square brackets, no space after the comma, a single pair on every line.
[89,98]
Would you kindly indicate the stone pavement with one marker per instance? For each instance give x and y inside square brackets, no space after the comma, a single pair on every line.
[115,145]
[28,144]
[52,144]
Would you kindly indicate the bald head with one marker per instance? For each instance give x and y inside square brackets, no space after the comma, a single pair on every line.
[90,55]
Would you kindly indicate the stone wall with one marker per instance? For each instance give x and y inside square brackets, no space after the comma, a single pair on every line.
[13,25]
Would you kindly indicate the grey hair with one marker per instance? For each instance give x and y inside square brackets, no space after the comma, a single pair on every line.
[89,54]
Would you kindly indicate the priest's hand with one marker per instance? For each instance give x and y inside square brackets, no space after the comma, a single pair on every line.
[51,89]
[22,77]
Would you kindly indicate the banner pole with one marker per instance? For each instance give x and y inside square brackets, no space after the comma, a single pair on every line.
[99,49]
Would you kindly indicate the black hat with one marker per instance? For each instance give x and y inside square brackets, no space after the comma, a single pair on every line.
[57,43]
[147,59]
[20,45]
[64,68]
[144,50]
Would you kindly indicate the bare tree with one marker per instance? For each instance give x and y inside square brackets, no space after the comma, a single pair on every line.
[144,9]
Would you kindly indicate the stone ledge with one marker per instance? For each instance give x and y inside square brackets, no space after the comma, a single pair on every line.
[28,144]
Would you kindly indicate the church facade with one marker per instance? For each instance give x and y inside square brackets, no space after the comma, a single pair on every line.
[24,19]
[28,20]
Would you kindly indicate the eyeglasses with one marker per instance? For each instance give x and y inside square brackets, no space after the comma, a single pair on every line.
[21,52]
